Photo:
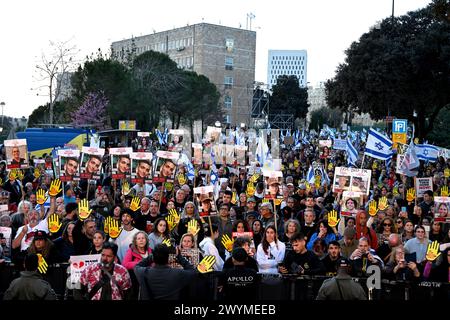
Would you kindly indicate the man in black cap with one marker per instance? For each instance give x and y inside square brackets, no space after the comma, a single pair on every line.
[239,283]
[342,286]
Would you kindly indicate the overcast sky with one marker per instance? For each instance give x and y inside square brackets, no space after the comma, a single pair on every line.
[325,28]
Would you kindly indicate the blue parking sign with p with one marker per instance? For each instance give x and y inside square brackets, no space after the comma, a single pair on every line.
[399,126]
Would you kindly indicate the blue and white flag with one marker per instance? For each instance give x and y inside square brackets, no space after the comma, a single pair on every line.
[352,153]
[378,146]
[160,137]
[310,175]
[410,162]
[190,167]
[427,152]
[262,150]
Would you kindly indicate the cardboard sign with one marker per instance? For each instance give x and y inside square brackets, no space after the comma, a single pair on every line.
[120,162]
[91,162]
[350,203]
[165,166]
[16,154]
[79,263]
[442,209]
[422,185]
[340,144]
[352,179]
[141,167]
[69,161]
[325,149]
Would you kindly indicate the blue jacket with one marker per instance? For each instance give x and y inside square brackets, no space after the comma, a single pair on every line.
[328,238]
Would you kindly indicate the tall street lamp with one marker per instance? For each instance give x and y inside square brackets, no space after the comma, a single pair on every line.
[2,104]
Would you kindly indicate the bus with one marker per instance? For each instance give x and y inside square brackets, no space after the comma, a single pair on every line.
[42,141]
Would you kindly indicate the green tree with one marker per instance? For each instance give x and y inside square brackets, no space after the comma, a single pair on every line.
[101,73]
[397,68]
[61,115]
[331,117]
[289,98]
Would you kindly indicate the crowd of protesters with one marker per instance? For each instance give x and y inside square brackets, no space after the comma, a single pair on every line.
[292,235]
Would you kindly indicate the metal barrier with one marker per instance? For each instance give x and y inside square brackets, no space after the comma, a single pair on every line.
[271,286]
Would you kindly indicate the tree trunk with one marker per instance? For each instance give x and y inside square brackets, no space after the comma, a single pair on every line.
[178,121]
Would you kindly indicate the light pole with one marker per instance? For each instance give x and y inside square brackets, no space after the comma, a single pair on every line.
[3,105]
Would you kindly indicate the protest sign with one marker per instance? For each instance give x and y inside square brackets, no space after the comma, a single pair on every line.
[79,263]
[422,185]
[91,162]
[325,149]
[352,179]
[141,167]
[350,203]
[165,166]
[69,161]
[205,200]
[143,142]
[340,144]
[120,162]
[16,154]
[442,209]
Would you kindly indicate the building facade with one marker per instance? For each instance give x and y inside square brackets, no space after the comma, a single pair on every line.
[225,55]
[287,62]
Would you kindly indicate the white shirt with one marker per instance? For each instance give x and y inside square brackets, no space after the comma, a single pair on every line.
[209,249]
[268,263]
[28,238]
[123,241]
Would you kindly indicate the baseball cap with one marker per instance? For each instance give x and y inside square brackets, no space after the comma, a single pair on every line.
[40,235]
[302,186]
[251,199]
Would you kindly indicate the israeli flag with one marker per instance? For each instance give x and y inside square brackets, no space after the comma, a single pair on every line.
[262,150]
[427,152]
[160,137]
[352,154]
[378,146]
[310,175]
[213,175]
[190,168]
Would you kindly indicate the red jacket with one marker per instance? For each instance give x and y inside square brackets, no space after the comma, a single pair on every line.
[366,232]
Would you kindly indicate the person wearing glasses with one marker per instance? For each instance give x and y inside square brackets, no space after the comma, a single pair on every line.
[418,244]
[385,229]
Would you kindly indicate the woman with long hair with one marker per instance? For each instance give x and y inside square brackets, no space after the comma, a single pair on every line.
[258,231]
[189,213]
[325,232]
[291,227]
[139,249]
[64,244]
[159,233]
[408,231]
[385,229]
[270,251]
[436,231]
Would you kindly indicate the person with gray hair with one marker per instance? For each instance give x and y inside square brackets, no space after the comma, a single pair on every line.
[189,213]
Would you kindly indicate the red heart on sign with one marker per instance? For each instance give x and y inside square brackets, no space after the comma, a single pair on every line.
[81,265]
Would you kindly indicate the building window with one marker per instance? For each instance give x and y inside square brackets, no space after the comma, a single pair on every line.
[228,102]
[229,45]
[227,118]
[228,82]
[229,63]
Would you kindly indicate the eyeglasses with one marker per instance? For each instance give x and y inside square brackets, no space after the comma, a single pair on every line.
[399,221]
[387,224]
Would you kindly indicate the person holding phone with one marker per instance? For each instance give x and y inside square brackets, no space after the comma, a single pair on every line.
[300,260]
[398,268]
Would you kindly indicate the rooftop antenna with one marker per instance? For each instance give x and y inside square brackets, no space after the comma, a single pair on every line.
[250,17]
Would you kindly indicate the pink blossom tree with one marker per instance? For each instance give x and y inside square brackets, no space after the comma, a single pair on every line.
[92,112]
